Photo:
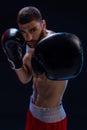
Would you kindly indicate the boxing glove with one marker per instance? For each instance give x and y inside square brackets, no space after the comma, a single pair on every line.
[59,56]
[12,42]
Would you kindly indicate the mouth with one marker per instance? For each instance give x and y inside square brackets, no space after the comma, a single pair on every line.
[31,44]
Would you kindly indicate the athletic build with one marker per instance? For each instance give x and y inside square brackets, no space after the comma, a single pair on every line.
[46,108]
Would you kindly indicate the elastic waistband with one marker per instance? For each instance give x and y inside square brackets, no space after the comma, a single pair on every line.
[48,115]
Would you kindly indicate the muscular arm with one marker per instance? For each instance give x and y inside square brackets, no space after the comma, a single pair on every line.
[24,73]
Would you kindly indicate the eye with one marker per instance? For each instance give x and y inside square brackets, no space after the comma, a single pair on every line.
[32,30]
[23,32]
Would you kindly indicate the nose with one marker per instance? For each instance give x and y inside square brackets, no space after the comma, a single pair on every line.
[28,37]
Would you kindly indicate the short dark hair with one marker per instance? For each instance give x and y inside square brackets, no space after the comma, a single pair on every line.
[28,14]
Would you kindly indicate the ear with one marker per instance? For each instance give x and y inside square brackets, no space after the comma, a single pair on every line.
[44,24]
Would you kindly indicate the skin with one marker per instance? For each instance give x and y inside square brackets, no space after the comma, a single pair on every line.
[46,93]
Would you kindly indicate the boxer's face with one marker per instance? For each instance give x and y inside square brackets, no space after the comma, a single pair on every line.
[32,32]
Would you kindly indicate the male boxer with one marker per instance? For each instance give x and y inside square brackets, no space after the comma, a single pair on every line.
[52,59]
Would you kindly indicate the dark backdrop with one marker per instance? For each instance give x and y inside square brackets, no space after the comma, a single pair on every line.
[14,96]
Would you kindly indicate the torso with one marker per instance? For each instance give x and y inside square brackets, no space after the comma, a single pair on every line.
[46,93]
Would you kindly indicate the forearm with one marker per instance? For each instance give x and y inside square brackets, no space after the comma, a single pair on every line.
[23,75]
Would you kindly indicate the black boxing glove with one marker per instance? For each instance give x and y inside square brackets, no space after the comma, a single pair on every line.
[59,56]
[12,42]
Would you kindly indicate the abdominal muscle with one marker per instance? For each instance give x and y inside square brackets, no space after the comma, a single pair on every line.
[47,93]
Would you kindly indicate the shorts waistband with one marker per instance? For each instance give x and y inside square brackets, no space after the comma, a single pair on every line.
[48,115]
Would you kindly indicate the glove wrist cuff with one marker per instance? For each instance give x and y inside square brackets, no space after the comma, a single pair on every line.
[15,65]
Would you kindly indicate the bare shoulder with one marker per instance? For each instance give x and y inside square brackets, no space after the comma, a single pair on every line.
[49,32]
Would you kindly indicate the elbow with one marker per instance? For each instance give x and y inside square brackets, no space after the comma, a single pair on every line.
[25,81]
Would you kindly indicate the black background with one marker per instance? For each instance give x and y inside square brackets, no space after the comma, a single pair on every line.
[67,16]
